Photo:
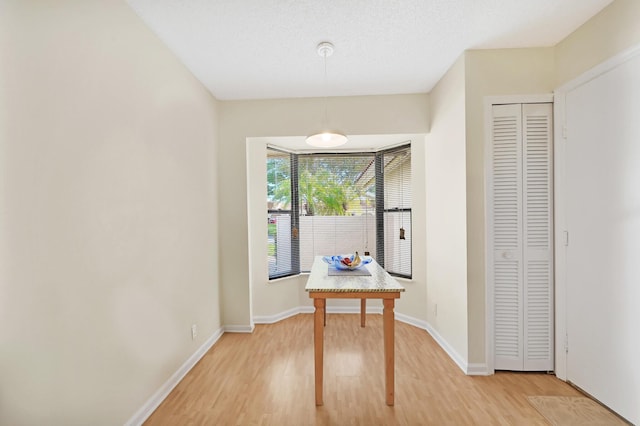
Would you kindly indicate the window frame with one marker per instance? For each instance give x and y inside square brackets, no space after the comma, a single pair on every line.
[381,210]
[378,162]
[293,213]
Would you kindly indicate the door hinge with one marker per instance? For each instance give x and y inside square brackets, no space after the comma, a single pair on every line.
[564,131]
[566,343]
[565,238]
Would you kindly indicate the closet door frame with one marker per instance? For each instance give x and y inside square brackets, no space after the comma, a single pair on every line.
[489,102]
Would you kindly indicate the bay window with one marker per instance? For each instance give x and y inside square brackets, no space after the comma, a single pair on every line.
[325,204]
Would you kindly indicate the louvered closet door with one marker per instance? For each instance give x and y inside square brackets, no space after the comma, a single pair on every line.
[520,236]
[507,236]
[538,237]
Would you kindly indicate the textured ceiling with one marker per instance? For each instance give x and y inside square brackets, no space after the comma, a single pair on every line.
[260,49]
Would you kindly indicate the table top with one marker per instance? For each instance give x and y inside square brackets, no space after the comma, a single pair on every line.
[379,281]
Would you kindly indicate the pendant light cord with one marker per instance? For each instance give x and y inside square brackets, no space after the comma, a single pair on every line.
[326,99]
[326,138]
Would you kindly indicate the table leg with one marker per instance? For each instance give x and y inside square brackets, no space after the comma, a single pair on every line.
[389,342]
[363,311]
[318,343]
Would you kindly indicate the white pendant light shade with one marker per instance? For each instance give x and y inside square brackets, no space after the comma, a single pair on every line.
[327,140]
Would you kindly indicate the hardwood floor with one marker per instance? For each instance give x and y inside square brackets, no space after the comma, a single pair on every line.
[266,378]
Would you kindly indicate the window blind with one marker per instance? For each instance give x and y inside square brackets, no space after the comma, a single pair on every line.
[337,205]
[282,247]
[396,211]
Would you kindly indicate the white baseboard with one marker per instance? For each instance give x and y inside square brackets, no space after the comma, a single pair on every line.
[353,309]
[156,399]
[238,328]
[412,321]
[306,309]
[271,319]
[477,369]
[472,369]
[469,369]
[453,354]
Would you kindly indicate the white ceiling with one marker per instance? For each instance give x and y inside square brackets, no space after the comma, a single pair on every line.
[261,49]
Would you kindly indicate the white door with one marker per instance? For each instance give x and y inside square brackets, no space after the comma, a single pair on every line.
[521,235]
[602,214]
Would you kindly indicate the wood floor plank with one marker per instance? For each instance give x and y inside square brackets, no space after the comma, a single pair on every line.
[267,378]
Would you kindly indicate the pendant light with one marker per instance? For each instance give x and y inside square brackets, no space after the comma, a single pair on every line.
[326,138]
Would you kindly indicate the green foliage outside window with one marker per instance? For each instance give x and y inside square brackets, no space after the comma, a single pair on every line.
[327,186]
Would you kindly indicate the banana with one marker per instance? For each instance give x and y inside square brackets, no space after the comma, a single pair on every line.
[356,261]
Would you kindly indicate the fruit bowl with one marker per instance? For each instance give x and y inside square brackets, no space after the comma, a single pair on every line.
[338,261]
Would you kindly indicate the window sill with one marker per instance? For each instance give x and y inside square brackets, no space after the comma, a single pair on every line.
[287,278]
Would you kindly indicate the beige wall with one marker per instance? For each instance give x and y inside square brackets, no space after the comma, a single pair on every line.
[291,117]
[413,301]
[614,29]
[107,213]
[446,211]
[490,73]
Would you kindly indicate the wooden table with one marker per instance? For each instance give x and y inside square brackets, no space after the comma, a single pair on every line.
[380,285]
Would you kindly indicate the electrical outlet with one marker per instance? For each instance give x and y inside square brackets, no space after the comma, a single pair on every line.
[194,331]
